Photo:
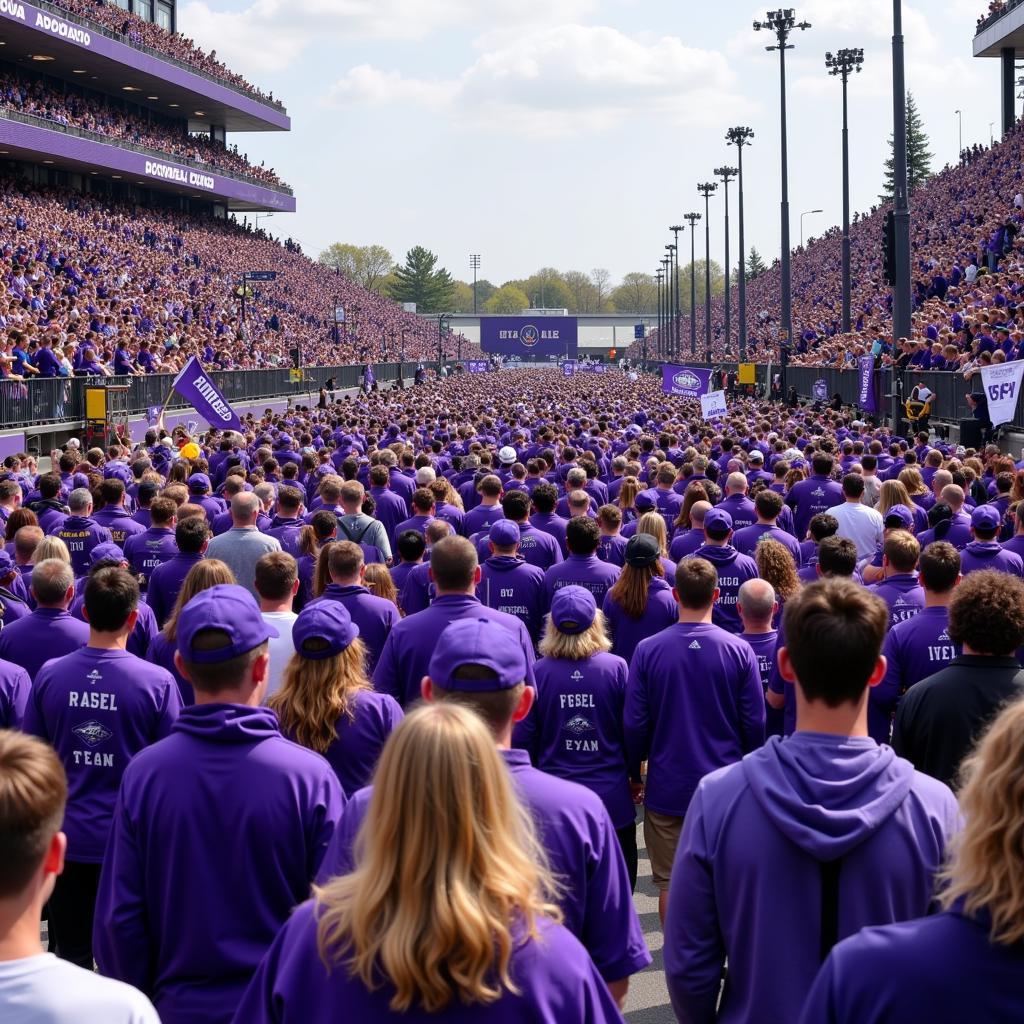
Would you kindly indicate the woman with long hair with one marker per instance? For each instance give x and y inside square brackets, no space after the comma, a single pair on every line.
[320,531]
[576,660]
[640,602]
[206,573]
[326,702]
[692,494]
[894,492]
[918,491]
[916,970]
[627,499]
[451,914]
[652,524]
[377,580]
[775,565]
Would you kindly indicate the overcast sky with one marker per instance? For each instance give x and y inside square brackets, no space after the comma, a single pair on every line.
[573,132]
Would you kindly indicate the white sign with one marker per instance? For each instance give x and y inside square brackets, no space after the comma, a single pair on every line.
[712,405]
[1001,383]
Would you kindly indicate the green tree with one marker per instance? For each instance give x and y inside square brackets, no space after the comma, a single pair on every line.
[717,282]
[755,265]
[638,293]
[367,265]
[919,157]
[419,281]
[582,294]
[601,279]
[507,299]
[546,288]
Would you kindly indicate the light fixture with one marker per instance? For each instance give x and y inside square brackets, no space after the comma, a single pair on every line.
[130,88]
[200,113]
[152,97]
[41,57]
[79,71]
[174,104]
[115,175]
[47,161]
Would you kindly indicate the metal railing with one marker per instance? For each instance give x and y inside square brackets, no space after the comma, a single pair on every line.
[108,140]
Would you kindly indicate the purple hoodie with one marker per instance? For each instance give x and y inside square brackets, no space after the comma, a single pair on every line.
[218,831]
[734,569]
[748,871]
[586,571]
[511,585]
[375,616]
[903,594]
[981,554]
[81,534]
[14,690]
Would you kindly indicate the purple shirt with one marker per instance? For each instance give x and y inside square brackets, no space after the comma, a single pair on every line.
[626,632]
[742,510]
[694,703]
[612,549]
[981,554]
[98,709]
[217,833]
[903,594]
[747,876]
[287,533]
[481,518]
[511,585]
[809,497]
[165,583]
[14,690]
[140,637]
[734,569]
[765,646]
[410,644]
[391,508]
[81,534]
[120,524]
[587,571]
[553,525]
[558,984]
[418,590]
[684,543]
[46,633]
[151,548]
[375,616]
[51,519]
[538,547]
[746,540]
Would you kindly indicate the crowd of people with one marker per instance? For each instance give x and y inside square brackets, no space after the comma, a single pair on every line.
[350,715]
[967,274]
[137,31]
[71,109]
[110,287]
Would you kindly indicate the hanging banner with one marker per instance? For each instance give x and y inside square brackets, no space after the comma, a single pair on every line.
[1001,382]
[477,365]
[568,367]
[193,384]
[594,367]
[819,389]
[712,405]
[685,381]
[866,388]
[521,336]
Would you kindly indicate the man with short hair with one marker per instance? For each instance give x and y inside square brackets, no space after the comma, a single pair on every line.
[36,987]
[535,546]
[455,573]
[243,545]
[984,551]
[940,718]
[157,544]
[757,608]
[184,853]
[858,522]
[191,539]
[80,532]
[50,631]
[10,499]
[277,583]
[489,510]
[792,848]
[98,707]
[374,616]
[768,505]
[957,531]
[612,546]
[582,568]
[544,518]
[900,588]
[287,524]
[422,513]
[818,493]
[733,568]
[694,702]
[510,584]
[391,507]
[410,546]
[418,590]
[113,515]
[357,527]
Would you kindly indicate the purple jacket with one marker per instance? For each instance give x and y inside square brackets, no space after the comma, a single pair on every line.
[660,613]
[582,849]
[98,709]
[147,550]
[515,587]
[375,616]
[734,569]
[165,583]
[586,571]
[748,876]
[558,984]
[14,690]
[120,524]
[51,519]
[694,703]
[410,644]
[81,534]
[553,525]
[184,853]
[46,633]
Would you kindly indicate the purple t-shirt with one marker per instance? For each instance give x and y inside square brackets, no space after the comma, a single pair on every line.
[98,709]
[165,583]
[746,540]
[684,543]
[511,585]
[14,690]
[375,616]
[587,571]
[809,497]
[46,633]
[537,547]
[147,550]
[626,632]
[903,594]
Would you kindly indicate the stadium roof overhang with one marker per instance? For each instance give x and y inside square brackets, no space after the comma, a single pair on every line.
[30,35]
[1006,32]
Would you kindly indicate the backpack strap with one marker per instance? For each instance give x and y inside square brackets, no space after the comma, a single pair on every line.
[352,537]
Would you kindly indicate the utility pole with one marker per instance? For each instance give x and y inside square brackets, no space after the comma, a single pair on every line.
[676,343]
[901,301]
[693,218]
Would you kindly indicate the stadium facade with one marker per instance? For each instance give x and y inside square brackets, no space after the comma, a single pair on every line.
[73,55]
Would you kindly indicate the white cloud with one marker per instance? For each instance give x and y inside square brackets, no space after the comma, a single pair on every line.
[565,79]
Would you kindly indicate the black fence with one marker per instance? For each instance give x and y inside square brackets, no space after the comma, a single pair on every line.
[62,400]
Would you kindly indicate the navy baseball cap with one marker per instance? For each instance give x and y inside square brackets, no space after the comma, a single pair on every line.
[504,533]
[986,517]
[718,521]
[329,625]
[227,607]
[480,642]
[899,517]
[642,550]
[199,482]
[573,609]
[106,550]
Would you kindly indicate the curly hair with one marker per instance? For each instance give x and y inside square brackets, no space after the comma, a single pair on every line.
[776,566]
[986,866]
[987,613]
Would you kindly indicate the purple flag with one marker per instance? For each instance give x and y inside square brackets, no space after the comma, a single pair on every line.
[866,387]
[685,381]
[193,384]
[152,414]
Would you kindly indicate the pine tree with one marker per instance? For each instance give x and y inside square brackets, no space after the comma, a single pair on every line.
[919,157]
[432,290]
[755,265]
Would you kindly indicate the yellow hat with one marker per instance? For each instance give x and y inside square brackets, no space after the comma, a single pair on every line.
[190,451]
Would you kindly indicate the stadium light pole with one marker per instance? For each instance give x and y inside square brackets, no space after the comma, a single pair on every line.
[727,174]
[677,344]
[474,262]
[666,263]
[960,127]
[843,64]
[657,348]
[740,137]
[693,218]
[901,300]
[782,23]
[806,213]
[673,268]
[706,189]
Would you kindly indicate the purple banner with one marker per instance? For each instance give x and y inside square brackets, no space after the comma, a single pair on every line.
[529,336]
[685,381]
[62,34]
[477,365]
[594,368]
[195,386]
[866,387]
[568,367]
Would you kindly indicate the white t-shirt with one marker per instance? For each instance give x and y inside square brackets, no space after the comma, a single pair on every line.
[281,648]
[41,989]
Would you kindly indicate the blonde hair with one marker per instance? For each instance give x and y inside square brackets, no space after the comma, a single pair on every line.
[51,547]
[911,478]
[442,897]
[653,524]
[316,694]
[628,491]
[893,492]
[377,580]
[575,646]
[986,867]
[776,566]
[206,573]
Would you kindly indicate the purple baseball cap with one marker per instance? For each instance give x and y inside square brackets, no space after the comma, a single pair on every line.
[504,533]
[199,482]
[7,564]
[328,625]
[106,550]
[986,517]
[227,607]
[645,501]
[718,520]
[573,609]
[480,642]
[899,517]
